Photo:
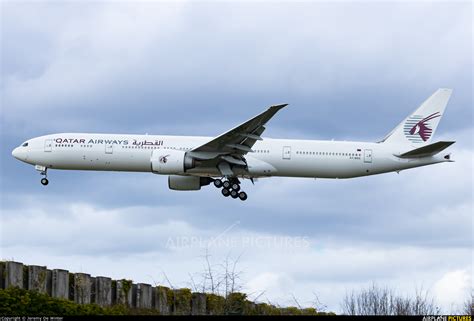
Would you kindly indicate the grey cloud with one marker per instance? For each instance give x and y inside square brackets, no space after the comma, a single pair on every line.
[203,67]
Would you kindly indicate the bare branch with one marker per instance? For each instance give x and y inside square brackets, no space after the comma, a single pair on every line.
[296,301]
[258,296]
[167,280]
[318,305]
[193,284]
[383,301]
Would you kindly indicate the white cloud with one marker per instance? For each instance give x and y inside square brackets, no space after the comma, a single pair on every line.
[454,288]
[88,53]
[81,228]
[157,49]
[273,284]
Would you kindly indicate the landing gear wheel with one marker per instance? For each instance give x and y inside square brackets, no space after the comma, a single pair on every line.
[44,181]
[226,184]
[243,196]
[236,187]
[234,194]
[225,192]
[218,183]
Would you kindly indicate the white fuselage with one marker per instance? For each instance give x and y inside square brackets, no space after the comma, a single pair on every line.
[271,157]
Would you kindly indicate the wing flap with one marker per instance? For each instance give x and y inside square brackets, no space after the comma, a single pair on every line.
[241,147]
[225,169]
[233,160]
[251,136]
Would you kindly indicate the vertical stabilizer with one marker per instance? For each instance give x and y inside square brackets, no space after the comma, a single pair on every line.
[418,128]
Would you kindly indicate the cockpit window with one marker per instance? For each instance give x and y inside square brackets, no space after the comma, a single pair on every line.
[25,144]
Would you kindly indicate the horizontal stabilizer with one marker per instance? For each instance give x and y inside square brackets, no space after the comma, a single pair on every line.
[428,150]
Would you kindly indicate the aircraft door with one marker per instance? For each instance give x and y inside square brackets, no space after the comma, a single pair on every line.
[367,156]
[286,152]
[48,145]
[109,148]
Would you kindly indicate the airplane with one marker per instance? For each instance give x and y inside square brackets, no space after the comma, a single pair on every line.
[192,162]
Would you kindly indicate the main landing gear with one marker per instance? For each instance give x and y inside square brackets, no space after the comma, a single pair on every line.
[231,188]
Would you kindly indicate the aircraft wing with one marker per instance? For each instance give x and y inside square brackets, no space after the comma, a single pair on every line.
[240,139]
[231,146]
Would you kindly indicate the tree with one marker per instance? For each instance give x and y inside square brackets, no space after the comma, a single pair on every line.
[468,308]
[377,300]
[220,279]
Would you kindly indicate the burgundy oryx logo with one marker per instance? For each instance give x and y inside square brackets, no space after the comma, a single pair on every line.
[163,159]
[416,127]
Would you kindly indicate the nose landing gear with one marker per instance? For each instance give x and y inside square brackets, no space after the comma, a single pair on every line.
[231,188]
[43,171]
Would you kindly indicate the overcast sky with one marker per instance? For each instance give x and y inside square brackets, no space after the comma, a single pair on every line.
[348,70]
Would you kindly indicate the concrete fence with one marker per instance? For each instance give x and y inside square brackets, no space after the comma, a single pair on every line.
[82,288]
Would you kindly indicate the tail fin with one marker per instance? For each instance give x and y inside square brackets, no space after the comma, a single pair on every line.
[418,128]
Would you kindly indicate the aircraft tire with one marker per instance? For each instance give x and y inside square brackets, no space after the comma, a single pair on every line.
[218,183]
[236,187]
[44,181]
[225,192]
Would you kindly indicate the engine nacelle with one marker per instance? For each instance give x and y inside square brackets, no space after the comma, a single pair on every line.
[187,183]
[170,161]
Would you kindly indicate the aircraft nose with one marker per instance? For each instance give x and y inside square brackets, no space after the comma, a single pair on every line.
[16,153]
[20,154]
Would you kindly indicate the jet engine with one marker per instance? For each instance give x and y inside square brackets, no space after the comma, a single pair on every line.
[187,183]
[170,161]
